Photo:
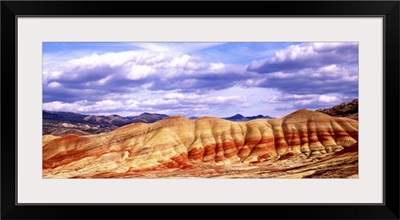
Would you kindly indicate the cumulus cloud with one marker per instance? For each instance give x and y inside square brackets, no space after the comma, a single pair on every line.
[168,78]
[307,55]
[84,106]
[323,80]
[172,103]
[290,102]
[193,99]
[309,75]
[126,71]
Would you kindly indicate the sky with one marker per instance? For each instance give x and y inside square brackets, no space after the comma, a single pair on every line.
[197,79]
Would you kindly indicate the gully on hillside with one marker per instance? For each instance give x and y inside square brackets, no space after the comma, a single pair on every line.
[304,144]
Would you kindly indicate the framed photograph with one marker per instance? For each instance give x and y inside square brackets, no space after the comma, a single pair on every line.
[249,110]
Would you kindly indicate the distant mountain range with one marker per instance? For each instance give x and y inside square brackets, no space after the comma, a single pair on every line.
[60,123]
[239,117]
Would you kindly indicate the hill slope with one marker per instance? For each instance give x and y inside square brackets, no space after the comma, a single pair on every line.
[62,123]
[206,147]
[344,109]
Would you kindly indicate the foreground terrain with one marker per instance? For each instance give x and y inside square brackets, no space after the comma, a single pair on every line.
[304,144]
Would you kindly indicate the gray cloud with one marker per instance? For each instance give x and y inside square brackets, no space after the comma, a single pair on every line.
[328,79]
[123,72]
[306,76]
[171,103]
[293,102]
[307,55]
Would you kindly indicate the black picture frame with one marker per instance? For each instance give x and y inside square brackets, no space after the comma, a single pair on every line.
[388,10]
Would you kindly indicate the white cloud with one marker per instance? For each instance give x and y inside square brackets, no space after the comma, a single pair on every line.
[104,81]
[307,55]
[83,106]
[167,78]
[172,103]
[290,102]
[134,65]
[327,98]
[138,71]
[200,99]
[54,85]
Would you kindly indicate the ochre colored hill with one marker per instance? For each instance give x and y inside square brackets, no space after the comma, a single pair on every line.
[206,145]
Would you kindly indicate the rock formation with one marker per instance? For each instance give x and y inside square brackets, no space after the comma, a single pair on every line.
[344,109]
[207,147]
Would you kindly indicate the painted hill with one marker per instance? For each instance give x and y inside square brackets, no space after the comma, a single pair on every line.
[62,123]
[207,147]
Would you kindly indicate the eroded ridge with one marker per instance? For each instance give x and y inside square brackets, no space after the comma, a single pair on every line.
[177,145]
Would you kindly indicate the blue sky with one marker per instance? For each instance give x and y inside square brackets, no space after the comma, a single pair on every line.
[196,78]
